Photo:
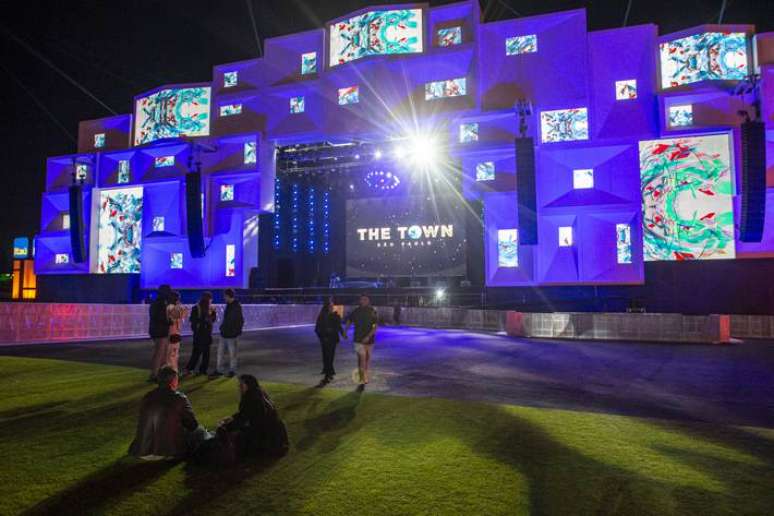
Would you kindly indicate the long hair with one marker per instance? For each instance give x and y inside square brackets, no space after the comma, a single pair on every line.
[327,307]
[205,302]
[254,392]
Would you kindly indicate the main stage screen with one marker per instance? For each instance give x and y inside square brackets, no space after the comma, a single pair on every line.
[376,33]
[120,231]
[406,236]
[171,113]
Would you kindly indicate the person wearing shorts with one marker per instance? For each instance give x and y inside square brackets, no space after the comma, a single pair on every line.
[364,319]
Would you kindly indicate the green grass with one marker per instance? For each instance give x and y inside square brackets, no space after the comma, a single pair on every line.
[65,428]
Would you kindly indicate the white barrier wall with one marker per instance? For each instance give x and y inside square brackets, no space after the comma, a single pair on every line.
[60,322]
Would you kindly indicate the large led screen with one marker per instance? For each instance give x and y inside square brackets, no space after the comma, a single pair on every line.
[701,57]
[376,33]
[687,198]
[405,236]
[171,113]
[120,231]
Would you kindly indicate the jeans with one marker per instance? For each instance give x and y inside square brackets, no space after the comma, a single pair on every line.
[231,344]
[160,352]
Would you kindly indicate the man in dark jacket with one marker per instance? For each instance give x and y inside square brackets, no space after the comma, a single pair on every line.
[167,427]
[230,330]
[158,329]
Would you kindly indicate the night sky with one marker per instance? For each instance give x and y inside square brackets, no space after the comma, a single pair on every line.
[116,49]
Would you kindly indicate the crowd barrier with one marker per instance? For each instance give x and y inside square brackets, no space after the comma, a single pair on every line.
[22,323]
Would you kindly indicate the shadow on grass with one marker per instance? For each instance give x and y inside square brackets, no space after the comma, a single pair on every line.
[103,488]
[338,419]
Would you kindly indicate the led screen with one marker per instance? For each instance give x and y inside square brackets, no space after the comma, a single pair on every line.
[564,125]
[565,236]
[249,154]
[623,243]
[626,90]
[469,132]
[296,105]
[376,33]
[158,224]
[442,89]
[230,79]
[230,260]
[176,260]
[507,247]
[405,236]
[681,116]
[99,140]
[687,198]
[230,109]
[702,57]
[21,247]
[120,231]
[349,95]
[308,63]
[485,171]
[449,37]
[123,171]
[226,192]
[521,45]
[172,113]
[583,178]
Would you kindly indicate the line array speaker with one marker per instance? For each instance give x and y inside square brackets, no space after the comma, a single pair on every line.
[193,213]
[525,191]
[753,204]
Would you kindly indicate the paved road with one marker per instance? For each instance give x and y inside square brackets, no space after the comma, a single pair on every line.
[721,384]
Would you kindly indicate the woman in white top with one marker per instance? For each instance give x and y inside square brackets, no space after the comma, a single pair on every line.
[176,314]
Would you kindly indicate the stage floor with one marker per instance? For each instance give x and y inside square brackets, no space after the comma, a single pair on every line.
[721,384]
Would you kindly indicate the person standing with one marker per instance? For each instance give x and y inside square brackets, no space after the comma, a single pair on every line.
[230,330]
[202,318]
[364,318]
[328,329]
[175,313]
[158,329]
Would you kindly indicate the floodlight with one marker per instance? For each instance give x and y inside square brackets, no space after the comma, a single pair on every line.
[440,293]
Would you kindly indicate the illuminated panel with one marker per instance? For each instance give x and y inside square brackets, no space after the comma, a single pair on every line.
[687,198]
[175,260]
[21,247]
[507,247]
[349,95]
[376,33]
[296,105]
[230,109]
[469,132]
[521,45]
[172,113]
[680,116]
[158,224]
[485,171]
[583,178]
[226,192]
[382,181]
[308,63]
[449,37]
[164,161]
[443,89]
[65,221]
[250,156]
[626,90]
[230,260]
[81,171]
[120,231]
[61,258]
[701,57]
[565,236]
[623,243]
[99,140]
[564,125]
[230,79]
[123,171]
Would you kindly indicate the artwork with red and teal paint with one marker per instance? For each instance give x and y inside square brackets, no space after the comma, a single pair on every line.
[687,198]
[120,231]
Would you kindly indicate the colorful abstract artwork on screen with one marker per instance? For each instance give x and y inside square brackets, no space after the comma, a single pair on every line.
[485,171]
[443,89]
[230,109]
[626,90]
[81,171]
[230,260]
[175,260]
[681,116]
[296,105]
[120,231]
[623,243]
[508,247]
[250,156]
[158,223]
[99,140]
[171,113]
[469,132]
[230,79]
[349,95]
[65,221]
[702,57]
[565,236]
[583,178]
[308,63]
[687,198]
[61,258]
[164,161]
[450,36]
[123,171]
[226,193]
[521,45]
[376,33]
[564,125]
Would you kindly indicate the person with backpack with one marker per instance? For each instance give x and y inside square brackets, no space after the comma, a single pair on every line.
[230,330]
[202,318]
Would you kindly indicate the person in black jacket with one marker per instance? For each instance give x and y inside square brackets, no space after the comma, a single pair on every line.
[328,329]
[256,430]
[202,318]
[158,329]
[230,330]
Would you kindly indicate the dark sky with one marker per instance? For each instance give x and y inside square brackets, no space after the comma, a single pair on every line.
[116,49]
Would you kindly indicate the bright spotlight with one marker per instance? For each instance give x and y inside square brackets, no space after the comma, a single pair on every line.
[378,154]
[399,152]
[440,293]
[423,151]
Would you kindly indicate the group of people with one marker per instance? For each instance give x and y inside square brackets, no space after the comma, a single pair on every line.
[167,426]
[167,314]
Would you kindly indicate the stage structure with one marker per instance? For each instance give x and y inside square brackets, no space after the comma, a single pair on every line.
[409,142]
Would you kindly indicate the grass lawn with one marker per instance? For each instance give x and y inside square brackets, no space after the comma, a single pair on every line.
[65,428]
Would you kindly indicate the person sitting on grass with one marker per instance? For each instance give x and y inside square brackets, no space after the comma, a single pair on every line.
[256,430]
[167,428]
